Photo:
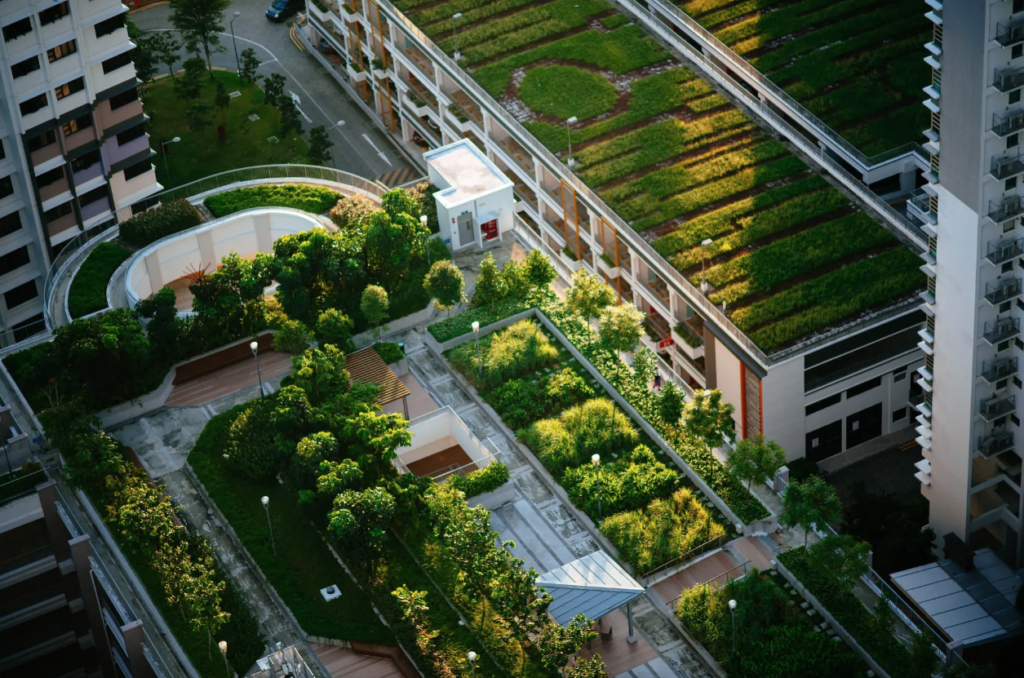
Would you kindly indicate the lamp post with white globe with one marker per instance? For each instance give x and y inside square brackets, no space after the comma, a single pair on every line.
[596,461]
[732,612]
[255,346]
[479,364]
[266,507]
[223,645]
[472,662]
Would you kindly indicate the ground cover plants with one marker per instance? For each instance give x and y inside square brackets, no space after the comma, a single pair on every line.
[855,64]
[312,199]
[88,292]
[673,158]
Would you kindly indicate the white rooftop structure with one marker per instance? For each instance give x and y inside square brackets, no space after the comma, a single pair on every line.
[594,585]
[970,607]
[468,173]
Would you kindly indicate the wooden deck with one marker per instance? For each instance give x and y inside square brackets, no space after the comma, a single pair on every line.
[229,379]
[442,462]
[618,654]
[344,663]
[719,569]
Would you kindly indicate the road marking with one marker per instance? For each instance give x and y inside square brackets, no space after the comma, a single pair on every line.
[298,106]
[379,152]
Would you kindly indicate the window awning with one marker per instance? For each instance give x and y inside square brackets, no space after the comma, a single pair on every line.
[594,585]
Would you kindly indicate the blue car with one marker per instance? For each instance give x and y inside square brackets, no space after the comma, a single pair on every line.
[282,9]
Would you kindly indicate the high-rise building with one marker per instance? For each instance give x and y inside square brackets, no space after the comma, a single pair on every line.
[74,143]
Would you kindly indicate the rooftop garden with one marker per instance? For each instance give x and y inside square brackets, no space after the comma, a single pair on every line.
[792,255]
[857,64]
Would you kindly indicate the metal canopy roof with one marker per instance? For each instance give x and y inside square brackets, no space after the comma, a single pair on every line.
[970,607]
[594,585]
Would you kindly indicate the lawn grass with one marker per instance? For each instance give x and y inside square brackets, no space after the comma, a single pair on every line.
[200,154]
[312,199]
[567,91]
[88,292]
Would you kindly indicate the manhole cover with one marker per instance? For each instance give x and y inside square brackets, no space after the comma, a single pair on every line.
[235,94]
[254,117]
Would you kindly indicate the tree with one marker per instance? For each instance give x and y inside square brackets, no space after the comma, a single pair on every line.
[165,328]
[142,514]
[273,88]
[380,434]
[250,64]
[145,60]
[809,503]
[538,270]
[620,327]
[373,304]
[708,418]
[558,643]
[320,372]
[513,276]
[644,362]
[320,145]
[351,210]
[490,287]
[514,590]
[588,668]
[842,556]
[755,458]
[334,327]
[445,285]
[588,295]
[165,47]
[190,85]
[313,450]
[199,117]
[290,120]
[292,337]
[200,22]
[336,476]
[360,519]
[222,101]
[392,236]
[670,403]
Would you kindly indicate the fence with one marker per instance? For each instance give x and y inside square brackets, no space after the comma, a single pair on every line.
[716,582]
[695,552]
[22,486]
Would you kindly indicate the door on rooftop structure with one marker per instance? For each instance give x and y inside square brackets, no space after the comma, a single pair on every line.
[466,234]
[825,441]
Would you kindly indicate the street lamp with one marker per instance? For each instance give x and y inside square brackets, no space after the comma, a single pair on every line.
[423,223]
[472,662]
[596,461]
[479,364]
[707,242]
[223,645]
[455,35]
[266,507]
[238,65]
[163,149]
[568,131]
[255,346]
[732,612]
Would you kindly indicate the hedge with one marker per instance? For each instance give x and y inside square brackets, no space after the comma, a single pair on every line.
[486,479]
[164,220]
[312,199]
[88,292]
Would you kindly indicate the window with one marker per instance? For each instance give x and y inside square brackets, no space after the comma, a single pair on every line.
[822,404]
[53,176]
[897,377]
[6,187]
[108,26]
[3,152]
[131,134]
[120,61]
[1018,6]
[1009,225]
[14,260]
[32,105]
[1010,184]
[1017,51]
[138,169]
[1015,420]
[863,387]
[10,223]
[1005,307]
[21,294]
[1017,382]
[17,29]
[1002,346]
[124,98]
[57,212]
[1008,267]
[899,415]
[1018,343]
[42,141]
[61,51]
[25,67]
[1015,96]
[1012,140]
[69,88]
[93,196]
[85,161]
[52,14]
[77,125]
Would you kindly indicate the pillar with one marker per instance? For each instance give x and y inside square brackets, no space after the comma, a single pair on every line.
[81,551]
[55,528]
[132,632]
[629,619]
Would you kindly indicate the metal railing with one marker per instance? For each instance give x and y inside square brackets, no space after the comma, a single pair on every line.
[696,551]
[1010,207]
[995,443]
[997,407]
[1007,124]
[1003,291]
[1001,330]
[995,370]
[716,582]
[1006,166]
[1010,33]
[9,490]
[1004,250]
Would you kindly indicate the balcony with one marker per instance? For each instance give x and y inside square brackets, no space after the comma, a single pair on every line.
[920,206]
[1004,125]
[1011,33]
[1001,330]
[1006,166]
[1000,251]
[993,408]
[995,443]
[997,370]
[1008,78]
[688,338]
[1003,291]
[1011,206]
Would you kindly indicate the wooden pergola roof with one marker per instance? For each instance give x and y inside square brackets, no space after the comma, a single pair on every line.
[367,367]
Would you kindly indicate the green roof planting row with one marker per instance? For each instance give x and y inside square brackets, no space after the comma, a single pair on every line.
[791,255]
[855,64]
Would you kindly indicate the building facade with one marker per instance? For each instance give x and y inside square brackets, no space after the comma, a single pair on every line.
[821,399]
[74,143]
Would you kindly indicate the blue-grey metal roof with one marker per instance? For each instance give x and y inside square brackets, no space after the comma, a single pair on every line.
[594,585]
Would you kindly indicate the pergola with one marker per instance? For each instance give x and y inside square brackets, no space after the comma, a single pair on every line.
[594,585]
[366,366]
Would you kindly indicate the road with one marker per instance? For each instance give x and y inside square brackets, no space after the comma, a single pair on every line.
[360,145]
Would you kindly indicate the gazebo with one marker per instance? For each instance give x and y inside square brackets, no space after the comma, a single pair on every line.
[594,585]
[367,367]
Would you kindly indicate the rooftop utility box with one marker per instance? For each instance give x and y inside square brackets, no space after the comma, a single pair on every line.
[475,205]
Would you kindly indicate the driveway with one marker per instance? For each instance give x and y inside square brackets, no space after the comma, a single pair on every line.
[360,145]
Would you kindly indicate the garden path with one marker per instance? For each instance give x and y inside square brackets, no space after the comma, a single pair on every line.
[545,531]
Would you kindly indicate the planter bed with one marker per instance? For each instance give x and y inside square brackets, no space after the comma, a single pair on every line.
[677,161]
[88,292]
[857,64]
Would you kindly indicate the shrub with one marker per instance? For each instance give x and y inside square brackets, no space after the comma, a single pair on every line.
[566,388]
[389,352]
[312,199]
[351,210]
[164,220]
[596,426]
[88,291]
[485,315]
[334,327]
[519,349]
[487,479]
[519,402]
[251,448]
[626,484]
[292,337]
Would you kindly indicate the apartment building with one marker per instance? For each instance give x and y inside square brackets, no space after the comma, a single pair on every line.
[822,395]
[74,143]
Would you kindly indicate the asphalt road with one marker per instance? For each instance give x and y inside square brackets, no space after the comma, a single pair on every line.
[360,145]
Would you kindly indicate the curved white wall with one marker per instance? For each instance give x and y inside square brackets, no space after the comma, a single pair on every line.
[244,233]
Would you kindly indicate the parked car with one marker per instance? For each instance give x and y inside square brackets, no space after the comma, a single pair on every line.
[282,9]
